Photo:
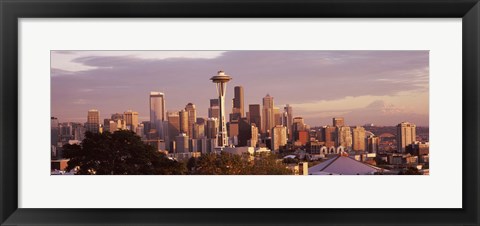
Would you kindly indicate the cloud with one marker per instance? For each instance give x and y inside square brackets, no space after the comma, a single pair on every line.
[80,102]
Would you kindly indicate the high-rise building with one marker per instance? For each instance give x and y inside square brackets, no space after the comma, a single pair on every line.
[66,131]
[221,80]
[181,143]
[254,140]
[338,121]
[255,115]
[268,114]
[93,121]
[344,137]
[183,121]
[373,143]
[131,120]
[173,125]
[55,131]
[237,104]
[358,138]
[212,128]
[214,109]
[157,113]
[406,135]
[199,130]
[139,130]
[297,126]
[192,118]
[288,120]
[117,116]
[279,137]
[329,135]
[238,101]
[244,132]
[277,116]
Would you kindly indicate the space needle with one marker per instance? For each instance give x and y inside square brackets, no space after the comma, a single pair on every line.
[221,80]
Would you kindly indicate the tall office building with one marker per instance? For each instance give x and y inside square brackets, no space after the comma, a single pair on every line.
[183,121]
[288,119]
[268,114]
[244,132]
[211,129]
[55,131]
[329,135]
[173,119]
[131,120]
[373,143]
[117,116]
[358,138]
[192,118]
[181,143]
[255,115]
[344,137]
[297,126]
[279,137]
[157,113]
[198,130]
[214,109]
[93,121]
[237,109]
[277,116]
[406,135]
[338,121]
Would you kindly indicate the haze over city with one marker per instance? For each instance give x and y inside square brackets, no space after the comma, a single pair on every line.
[379,87]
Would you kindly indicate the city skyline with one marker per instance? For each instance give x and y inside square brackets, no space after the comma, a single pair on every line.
[379,87]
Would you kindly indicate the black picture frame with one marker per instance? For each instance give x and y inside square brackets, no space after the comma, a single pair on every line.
[12,10]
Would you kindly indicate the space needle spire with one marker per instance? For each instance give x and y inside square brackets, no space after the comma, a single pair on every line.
[221,80]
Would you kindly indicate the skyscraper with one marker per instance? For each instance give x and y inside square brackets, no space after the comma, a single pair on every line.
[279,137]
[344,137]
[212,128]
[93,121]
[192,118]
[297,126]
[181,143]
[157,113]
[372,144]
[268,114]
[55,131]
[214,109]
[131,120]
[288,119]
[338,121]
[406,135]
[237,110]
[277,116]
[173,125]
[183,119]
[221,80]
[329,134]
[358,138]
[255,115]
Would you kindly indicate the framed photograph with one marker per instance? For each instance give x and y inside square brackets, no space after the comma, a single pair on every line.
[266,112]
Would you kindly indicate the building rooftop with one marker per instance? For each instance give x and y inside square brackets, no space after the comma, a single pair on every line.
[343,165]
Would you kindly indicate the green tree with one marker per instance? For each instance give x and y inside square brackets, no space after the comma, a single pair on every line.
[268,164]
[118,153]
[232,164]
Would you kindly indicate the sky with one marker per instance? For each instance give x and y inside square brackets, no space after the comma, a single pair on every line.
[375,87]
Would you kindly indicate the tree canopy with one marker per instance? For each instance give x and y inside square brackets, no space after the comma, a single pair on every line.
[232,164]
[118,153]
[124,153]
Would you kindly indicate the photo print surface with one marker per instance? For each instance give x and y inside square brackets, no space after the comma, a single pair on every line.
[240,112]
